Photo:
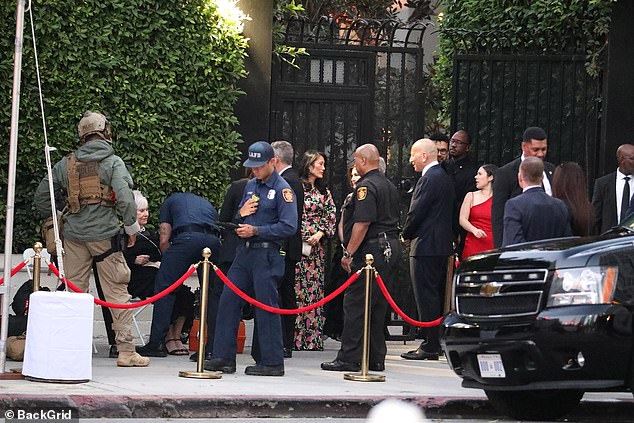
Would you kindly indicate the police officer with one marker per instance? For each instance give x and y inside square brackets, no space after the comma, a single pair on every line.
[188,223]
[97,185]
[370,227]
[267,215]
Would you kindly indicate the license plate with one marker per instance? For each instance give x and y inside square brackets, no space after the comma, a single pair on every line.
[491,365]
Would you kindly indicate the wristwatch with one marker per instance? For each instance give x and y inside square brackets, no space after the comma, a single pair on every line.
[346,254]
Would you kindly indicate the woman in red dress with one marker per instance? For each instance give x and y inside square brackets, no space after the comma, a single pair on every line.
[475,213]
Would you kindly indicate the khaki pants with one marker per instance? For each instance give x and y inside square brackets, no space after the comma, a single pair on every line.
[114,276]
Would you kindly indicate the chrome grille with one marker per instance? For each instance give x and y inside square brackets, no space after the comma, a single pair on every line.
[503,293]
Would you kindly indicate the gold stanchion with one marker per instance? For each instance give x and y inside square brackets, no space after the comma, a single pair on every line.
[37,265]
[364,376]
[200,372]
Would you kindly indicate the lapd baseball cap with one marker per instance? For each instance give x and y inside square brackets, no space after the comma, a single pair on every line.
[260,153]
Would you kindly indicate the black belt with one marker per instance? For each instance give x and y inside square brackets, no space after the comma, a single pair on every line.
[376,240]
[251,244]
[194,228]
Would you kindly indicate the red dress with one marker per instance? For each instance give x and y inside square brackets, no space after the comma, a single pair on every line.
[480,217]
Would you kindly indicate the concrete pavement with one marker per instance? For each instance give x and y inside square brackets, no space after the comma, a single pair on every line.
[305,391]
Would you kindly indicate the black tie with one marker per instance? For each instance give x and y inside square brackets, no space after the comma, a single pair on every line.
[625,201]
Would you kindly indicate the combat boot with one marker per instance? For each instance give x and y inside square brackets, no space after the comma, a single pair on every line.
[132,359]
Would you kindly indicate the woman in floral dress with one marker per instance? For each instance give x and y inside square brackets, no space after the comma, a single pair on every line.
[318,222]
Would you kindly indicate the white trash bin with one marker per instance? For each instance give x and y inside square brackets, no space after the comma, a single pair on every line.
[59,337]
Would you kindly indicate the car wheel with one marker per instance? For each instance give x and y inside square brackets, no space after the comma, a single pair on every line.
[535,405]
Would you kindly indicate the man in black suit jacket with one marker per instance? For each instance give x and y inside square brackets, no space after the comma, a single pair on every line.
[505,185]
[293,247]
[429,227]
[534,215]
[607,204]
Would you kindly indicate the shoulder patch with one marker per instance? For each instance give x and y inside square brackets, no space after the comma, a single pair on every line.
[362,192]
[287,193]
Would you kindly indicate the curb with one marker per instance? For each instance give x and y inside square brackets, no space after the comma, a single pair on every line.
[114,406]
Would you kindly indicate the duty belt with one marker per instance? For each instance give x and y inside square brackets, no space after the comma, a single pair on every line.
[194,228]
[251,244]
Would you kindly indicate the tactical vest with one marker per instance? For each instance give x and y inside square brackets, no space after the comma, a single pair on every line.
[85,187]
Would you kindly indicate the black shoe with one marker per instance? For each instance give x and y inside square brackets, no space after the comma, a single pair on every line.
[419,354]
[262,370]
[340,366]
[194,356]
[288,353]
[114,352]
[220,365]
[152,350]
[377,367]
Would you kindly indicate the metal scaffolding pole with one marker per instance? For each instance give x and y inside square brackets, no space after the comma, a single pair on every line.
[13,149]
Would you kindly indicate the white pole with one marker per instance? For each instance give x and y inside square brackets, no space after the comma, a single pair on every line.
[13,150]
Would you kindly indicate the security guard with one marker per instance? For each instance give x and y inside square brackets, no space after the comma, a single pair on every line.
[267,215]
[188,224]
[370,227]
[97,185]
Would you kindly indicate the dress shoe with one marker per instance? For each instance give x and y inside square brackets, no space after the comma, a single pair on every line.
[419,354]
[194,356]
[288,353]
[340,366]
[114,352]
[152,350]
[262,370]
[220,365]
[377,367]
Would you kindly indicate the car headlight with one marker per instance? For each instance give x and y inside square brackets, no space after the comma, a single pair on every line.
[588,285]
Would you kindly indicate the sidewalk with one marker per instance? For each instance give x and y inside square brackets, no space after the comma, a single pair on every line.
[304,391]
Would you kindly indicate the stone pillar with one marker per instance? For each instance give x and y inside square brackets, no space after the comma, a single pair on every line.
[253,109]
[617,125]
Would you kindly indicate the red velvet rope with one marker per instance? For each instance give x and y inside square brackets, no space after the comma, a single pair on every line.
[398,311]
[15,270]
[276,310]
[148,300]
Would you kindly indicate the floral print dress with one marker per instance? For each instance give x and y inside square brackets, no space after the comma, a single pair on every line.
[319,215]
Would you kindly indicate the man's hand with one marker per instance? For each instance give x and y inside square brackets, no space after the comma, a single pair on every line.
[249,208]
[131,240]
[346,263]
[246,231]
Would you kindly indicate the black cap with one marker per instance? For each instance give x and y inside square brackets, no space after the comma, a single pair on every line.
[260,153]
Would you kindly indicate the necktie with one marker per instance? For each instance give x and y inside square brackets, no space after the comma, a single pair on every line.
[625,200]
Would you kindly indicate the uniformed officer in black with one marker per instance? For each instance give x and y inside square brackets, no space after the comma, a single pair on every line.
[267,215]
[370,228]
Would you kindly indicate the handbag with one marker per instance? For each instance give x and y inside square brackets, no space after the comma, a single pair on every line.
[306,248]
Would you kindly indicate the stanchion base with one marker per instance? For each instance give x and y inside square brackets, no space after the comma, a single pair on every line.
[360,377]
[200,375]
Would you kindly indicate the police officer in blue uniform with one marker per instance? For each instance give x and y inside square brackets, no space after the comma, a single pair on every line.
[188,224]
[267,215]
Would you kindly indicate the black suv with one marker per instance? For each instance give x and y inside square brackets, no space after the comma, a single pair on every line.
[538,324]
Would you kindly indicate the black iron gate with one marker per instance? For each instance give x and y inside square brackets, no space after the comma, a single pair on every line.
[361,83]
[497,95]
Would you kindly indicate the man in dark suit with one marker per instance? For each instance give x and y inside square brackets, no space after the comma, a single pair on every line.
[611,193]
[534,215]
[505,186]
[462,168]
[293,246]
[428,226]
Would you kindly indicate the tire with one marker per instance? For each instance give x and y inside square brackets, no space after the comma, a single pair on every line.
[535,405]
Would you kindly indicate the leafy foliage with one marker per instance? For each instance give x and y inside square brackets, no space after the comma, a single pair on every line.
[165,74]
[529,26]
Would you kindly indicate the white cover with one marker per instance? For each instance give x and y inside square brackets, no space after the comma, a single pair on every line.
[59,336]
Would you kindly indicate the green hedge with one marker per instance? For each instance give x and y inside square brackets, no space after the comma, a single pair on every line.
[163,71]
[531,26]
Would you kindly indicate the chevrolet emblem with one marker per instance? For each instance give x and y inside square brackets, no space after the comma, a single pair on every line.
[490,289]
